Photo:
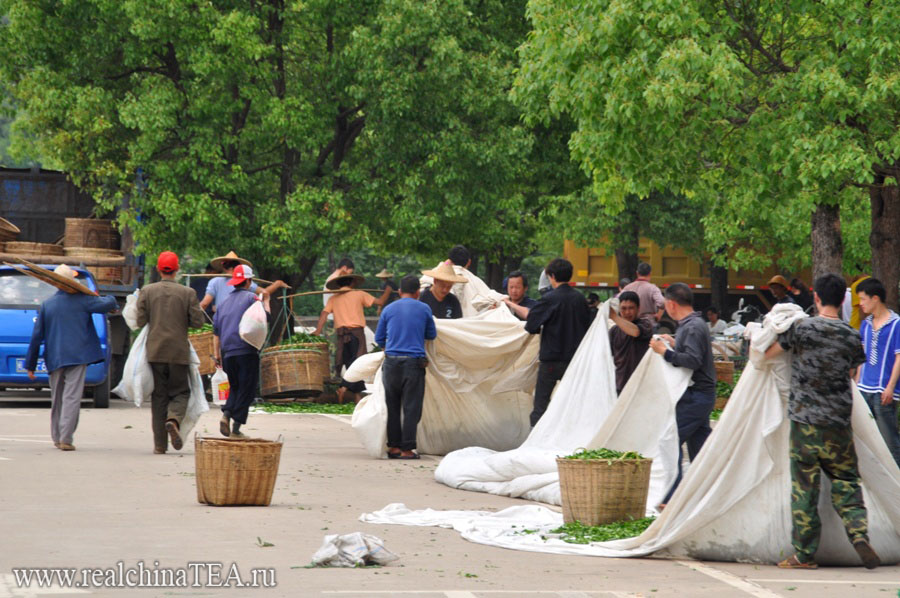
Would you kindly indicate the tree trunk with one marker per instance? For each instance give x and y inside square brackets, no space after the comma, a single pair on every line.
[280,322]
[493,275]
[718,286]
[627,251]
[885,239]
[827,247]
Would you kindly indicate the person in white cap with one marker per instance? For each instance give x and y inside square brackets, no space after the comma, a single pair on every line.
[65,327]
[239,359]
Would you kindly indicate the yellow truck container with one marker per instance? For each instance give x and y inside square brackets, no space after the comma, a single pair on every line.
[596,267]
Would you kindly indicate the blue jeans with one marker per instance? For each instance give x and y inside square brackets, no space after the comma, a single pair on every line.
[692,418]
[886,419]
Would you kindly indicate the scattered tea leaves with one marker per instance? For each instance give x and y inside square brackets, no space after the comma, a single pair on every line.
[602,453]
[262,543]
[333,408]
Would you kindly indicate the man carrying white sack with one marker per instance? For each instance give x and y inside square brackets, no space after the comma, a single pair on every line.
[404,327]
[170,309]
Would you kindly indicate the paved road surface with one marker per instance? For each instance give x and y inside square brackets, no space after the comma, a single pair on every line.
[113,501]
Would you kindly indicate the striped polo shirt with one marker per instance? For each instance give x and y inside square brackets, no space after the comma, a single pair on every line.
[881,347]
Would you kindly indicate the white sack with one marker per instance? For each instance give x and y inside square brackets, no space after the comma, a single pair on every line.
[463,406]
[352,550]
[129,312]
[254,325]
[137,383]
[364,367]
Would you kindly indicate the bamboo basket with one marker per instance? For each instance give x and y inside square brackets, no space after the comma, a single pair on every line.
[26,248]
[8,230]
[87,253]
[294,372]
[724,370]
[205,347]
[91,232]
[236,471]
[598,491]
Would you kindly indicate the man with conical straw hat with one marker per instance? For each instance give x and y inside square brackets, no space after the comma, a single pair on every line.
[218,288]
[443,303]
[65,326]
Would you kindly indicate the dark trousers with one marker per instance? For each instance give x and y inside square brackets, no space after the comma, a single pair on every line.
[692,418]
[171,391]
[349,352]
[886,419]
[243,380]
[404,391]
[549,373]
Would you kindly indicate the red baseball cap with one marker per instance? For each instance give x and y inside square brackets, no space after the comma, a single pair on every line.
[167,262]
[241,273]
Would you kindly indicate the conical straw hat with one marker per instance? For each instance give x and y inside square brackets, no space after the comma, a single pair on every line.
[344,280]
[384,274]
[64,283]
[445,272]
[230,256]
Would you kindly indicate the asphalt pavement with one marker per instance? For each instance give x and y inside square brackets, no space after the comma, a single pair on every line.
[112,511]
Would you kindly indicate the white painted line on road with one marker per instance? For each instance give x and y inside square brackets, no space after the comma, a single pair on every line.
[25,440]
[732,580]
[468,594]
[459,594]
[854,582]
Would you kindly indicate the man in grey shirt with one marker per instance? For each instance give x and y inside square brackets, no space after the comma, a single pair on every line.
[692,350]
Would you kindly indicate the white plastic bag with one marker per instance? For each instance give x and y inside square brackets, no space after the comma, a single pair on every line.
[137,377]
[220,386]
[254,326]
[129,312]
[352,550]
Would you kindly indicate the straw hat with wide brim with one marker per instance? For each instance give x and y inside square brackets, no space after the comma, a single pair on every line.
[446,273]
[61,282]
[345,280]
[384,274]
[779,279]
[216,263]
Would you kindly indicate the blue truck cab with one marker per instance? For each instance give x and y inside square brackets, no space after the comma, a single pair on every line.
[20,299]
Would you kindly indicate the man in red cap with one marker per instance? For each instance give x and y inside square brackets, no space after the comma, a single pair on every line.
[170,309]
[239,359]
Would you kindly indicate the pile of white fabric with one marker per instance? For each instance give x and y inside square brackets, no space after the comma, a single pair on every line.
[478,386]
[734,502]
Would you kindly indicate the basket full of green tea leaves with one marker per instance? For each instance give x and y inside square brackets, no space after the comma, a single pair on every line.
[202,341]
[296,367]
[600,486]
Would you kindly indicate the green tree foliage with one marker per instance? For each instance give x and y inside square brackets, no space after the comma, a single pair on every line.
[284,128]
[761,110]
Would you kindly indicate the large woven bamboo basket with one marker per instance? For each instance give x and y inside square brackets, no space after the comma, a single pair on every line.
[204,345]
[236,471]
[26,248]
[724,370]
[297,372]
[91,232]
[8,230]
[598,491]
[109,275]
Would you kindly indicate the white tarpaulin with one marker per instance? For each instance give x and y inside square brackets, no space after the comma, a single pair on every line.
[734,502]
[477,387]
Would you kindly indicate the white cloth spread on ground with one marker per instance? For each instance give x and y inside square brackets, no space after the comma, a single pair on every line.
[478,387]
[734,502]
[584,412]
[474,296]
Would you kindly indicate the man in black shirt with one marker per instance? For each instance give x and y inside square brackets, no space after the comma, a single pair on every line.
[519,302]
[444,304]
[693,351]
[562,317]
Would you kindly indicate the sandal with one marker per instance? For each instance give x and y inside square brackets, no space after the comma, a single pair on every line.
[393,455]
[793,562]
[408,457]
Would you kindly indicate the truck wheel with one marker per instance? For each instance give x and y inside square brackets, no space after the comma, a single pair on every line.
[101,395]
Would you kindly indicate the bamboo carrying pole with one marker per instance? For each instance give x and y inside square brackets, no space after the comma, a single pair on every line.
[331,292]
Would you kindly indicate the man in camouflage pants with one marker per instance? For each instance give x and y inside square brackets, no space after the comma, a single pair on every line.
[825,353]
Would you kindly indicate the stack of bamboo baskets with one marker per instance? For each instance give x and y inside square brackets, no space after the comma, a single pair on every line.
[87,239]
[8,232]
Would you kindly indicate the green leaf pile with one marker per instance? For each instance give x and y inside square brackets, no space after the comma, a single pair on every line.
[578,533]
[332,408]
[603,453]
[203,329]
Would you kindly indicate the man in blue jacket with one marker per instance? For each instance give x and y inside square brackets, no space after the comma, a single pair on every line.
[404,327]
[65,327]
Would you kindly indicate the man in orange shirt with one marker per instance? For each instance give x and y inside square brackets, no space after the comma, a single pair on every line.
[347,306]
